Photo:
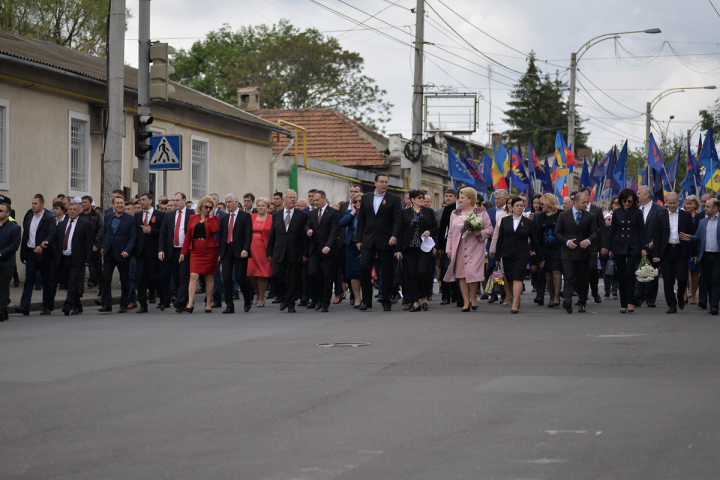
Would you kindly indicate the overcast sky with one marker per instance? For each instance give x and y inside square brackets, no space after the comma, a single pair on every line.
[553,29]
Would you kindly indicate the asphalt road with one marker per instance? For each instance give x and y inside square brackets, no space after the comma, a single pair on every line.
[436,395]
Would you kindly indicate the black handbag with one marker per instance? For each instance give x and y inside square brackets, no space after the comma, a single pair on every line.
[610,270]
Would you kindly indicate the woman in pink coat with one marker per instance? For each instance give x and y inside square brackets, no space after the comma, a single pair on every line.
[467,255]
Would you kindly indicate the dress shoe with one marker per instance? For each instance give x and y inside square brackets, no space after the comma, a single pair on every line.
[513,311]
[152,299]
[713,311]
[66,311]
[38,287]
[142,309]
[324,309]
[637,303]
[318,306]
[248,306]
[236,296]
[122,309]
[105,309]
[76,311]
[23,310]
[577,304]
[484,296]
[540,301]
[228,309]
[277,300]
[161,306]
[98,302]
[607,294]
[597,298]
[567,305]
[425,306]
[131,305]
[702,305]
[493,298]
[291,308]
[671,310]
[216,304]
[303,303]
[445,302]
[581,309]
[414,309]
[681,304]
[363,307]
[651,304]
[387,308]
[45,311]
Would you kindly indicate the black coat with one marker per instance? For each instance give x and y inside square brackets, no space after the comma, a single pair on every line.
[661,234]
[427,223]
[627,232]
[324,235]
[147,243]
[288,246]
[655,209]
[242,233]
[445,224]
[344,206]
[82,242]
[602,242]
[375,229]
[566,229]
[45,228]
[516,243]
[167,230]
[96,223]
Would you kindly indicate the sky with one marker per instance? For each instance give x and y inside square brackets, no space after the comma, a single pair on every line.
[613,91]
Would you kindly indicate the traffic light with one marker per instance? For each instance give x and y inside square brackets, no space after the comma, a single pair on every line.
[160,70]
[142,134]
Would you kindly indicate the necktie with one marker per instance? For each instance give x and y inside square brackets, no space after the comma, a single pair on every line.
[319,216]
[145,222]
[230,228]
[67,235]
[287,219]
[177,228]
[577,218]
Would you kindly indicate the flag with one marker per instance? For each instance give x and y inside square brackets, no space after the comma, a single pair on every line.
[620,171]
[602,168]
[535,170]
[456,169]
[485,168]
[609,181]
[708,158]
[681,198]
[517,173]
[563,157]
[585,175]
[672,173]
[656,183]
[547,186]
[593,169]
[479,184]
[692,178]
[655,159]
[501,160]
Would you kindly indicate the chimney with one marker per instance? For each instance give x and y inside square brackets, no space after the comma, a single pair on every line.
[249,98]
[496,137]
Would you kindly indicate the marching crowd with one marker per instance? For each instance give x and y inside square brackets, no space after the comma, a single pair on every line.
[308,253]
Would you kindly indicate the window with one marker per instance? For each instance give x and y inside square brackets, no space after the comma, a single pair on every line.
[4,147]
[199,175]
[79,156]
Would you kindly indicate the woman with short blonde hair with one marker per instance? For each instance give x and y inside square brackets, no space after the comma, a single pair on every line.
[545,223]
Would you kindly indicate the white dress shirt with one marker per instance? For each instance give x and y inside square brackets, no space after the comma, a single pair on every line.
[34,223]
[71,226]
[181,235]
[674,235]
[711,240]
[645,211]
[516,222]
[498,211]
[377,201]
[57,222]
[149,214]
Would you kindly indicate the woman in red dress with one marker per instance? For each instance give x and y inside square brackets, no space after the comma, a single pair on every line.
[259,269]
[200,240]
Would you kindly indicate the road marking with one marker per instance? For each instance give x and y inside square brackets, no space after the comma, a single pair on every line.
[614,335]
[555,432]
[542,461]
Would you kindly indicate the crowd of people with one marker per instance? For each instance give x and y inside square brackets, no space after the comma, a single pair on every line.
[309,253]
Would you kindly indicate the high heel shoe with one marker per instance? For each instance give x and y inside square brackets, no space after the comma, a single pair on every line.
[513,311]
[208,310]
[465,310]
[474,307]
[425,306]
[190,309]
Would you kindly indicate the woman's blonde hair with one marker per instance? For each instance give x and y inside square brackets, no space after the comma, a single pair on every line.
[356,196]
[549,199]
[695,200]
[263,199]
[469,193]
[203,200]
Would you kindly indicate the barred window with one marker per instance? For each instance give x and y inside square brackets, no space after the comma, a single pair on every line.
[79,153]
[200,160]
[4,150]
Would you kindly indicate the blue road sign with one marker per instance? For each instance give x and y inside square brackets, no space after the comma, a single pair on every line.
[166,153]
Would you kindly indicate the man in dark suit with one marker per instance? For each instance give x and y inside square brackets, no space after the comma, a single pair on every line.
[119,238]
[285,250]
[647,291]
[450,290]
[172,236]
[601,246]
[322,227]
[235,237]
[39,224]
[706,246]
[149,269]
[671,252]
[218,290]
[72,241]
[378,230]
[576,229]
[308,292]
[10,238]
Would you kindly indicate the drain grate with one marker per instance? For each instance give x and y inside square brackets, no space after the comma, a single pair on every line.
[360,344]
[615,335]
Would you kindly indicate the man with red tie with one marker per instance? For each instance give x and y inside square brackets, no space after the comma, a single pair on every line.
[147,274]
[172,236]
[236,233]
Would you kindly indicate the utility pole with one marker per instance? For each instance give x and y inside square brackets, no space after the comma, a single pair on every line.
[490,124]
[648,118]
[144,85]
[112,160]
[416,167]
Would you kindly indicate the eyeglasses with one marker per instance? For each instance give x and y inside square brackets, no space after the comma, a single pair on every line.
[357,201]
[541,204]
[208,207]
[628,200]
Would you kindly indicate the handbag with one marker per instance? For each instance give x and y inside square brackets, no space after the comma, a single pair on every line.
[610,271]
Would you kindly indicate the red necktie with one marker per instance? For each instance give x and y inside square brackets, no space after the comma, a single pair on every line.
[177,228]
[230,229]
[145,222]
[67,235]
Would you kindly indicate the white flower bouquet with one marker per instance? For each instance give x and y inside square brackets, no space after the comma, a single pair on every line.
[646,272]
[472,223]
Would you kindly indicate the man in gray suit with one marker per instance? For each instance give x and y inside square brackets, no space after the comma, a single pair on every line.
[647,292]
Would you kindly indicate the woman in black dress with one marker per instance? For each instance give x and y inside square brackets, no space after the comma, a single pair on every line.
[545,228]
[516,235]
[627,234]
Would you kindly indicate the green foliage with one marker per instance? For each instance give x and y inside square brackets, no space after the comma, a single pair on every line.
[711,116]
[77,24]
[293,68]
[538,111]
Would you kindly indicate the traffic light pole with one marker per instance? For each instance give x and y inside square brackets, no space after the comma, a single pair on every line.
[112,160]
[143,85]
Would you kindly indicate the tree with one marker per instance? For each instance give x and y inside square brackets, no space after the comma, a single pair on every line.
[77,24]
[711,116]
[538,111]
[293,68]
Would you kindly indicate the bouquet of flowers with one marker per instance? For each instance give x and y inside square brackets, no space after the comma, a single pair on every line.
[646,272]
[471,223]
[496,281]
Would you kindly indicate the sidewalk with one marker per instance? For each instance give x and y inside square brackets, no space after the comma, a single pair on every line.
[88,299]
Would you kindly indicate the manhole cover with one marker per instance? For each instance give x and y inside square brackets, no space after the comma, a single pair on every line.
[343,344]
[614,335]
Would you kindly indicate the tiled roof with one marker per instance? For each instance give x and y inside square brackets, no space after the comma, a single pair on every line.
[331,134]
[66,59]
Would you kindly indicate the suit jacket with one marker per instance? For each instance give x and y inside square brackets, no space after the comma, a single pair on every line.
[167,230]
[82,242]
[347,222]
[10,235]
[147,243]
[655,209]
[627,232]
[288,246]
[242,233]
[566,229]
[443,228]
[211,225]
[698,239]
[123,240]
[375,229]
[516,243]
[661,235]
[344,207]
[325,234]
[602,242]
[45,228]
[427,223]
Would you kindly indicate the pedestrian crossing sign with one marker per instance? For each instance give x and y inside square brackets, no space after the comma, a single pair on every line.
[166,153]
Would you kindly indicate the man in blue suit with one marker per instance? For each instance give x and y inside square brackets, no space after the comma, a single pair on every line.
[119,240]
[707,241]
